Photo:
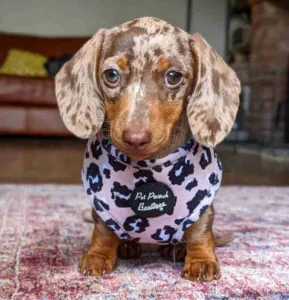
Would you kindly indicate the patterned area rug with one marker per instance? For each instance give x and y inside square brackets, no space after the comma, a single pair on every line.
[42,237]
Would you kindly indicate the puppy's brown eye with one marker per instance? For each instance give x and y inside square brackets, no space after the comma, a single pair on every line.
[173,78]
[112,77]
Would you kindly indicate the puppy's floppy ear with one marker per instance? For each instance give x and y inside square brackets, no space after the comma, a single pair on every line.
[213,104]
[78,96]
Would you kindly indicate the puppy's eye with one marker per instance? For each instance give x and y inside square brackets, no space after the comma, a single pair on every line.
[173,78]
[111,77]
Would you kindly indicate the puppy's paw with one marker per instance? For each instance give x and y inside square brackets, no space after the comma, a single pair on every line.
[129,250]
[96,264]
[201,270]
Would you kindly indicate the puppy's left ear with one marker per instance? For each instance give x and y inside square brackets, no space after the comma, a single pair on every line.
[213,104]
[78,96]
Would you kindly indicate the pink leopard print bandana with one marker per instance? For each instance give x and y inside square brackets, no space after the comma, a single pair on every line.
[152,200]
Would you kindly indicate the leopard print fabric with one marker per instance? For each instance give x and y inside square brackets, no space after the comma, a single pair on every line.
[192,172]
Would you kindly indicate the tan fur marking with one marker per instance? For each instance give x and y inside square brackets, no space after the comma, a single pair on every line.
[123,63]
[162,117]
[163,64]
[116,115]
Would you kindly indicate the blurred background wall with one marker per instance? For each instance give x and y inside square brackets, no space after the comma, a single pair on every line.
[209,18]
[84,17]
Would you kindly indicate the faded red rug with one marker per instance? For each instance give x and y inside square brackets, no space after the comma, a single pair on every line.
[42,237]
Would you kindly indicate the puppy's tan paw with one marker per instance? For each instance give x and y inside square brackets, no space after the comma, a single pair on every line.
[95,264]
[201,270]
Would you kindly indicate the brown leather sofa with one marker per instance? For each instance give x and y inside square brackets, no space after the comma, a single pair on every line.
[27,104]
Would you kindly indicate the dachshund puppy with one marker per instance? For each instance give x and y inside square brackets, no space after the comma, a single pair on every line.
[140,92]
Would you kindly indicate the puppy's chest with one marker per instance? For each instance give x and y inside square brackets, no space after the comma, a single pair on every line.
[150,201]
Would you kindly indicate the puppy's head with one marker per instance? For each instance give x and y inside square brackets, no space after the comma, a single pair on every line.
[141,76]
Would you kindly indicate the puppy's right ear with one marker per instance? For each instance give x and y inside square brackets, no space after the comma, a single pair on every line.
[213,105]
[78,96]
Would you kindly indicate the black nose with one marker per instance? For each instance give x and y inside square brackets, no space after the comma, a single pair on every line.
[136,140]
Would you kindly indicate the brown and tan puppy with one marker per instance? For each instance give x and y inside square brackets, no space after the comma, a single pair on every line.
[149,85]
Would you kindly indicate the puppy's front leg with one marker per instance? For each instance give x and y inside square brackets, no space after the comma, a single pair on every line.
[201,263]
[101,256]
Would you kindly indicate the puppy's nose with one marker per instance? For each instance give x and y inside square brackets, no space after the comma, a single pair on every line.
[136,139]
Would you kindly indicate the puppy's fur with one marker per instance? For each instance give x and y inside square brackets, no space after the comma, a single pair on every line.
[203,105]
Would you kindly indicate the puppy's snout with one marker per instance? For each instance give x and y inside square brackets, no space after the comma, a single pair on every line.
[136,140]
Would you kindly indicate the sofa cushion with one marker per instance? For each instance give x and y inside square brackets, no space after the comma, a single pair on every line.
[24,63]
[28,91]
[47,46]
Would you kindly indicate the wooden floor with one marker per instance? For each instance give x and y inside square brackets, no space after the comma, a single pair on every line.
[42,160]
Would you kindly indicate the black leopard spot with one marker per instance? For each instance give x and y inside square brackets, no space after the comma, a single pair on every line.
[219,164]
[167,163]
[94,177]
[86,154]
[181,170]
[99,205]
[179,221]
[96,149]
[124,158]
[106,173]
[121,194]
[190,185]
[214,179]
[116,165]
[135,224]
[124,236]
[157,169]
[200,195]
[143,176]
[106,145]
[206,158]
[203,209]
[152,160]
[142,163]
[195,149]
[188,146]
[112,224]
[218,160]
[164,235]
[187,224]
